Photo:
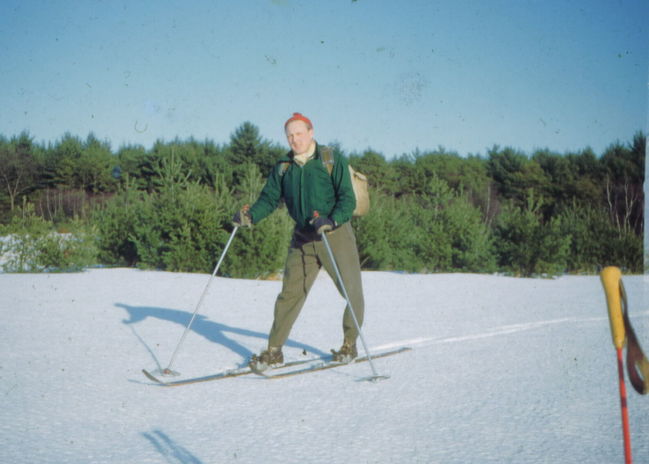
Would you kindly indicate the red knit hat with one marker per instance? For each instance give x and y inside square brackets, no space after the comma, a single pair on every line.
[299,117]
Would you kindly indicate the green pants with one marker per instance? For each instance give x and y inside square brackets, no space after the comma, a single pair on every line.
[302,266]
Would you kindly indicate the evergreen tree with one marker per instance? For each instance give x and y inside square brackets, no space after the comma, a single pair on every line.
[247,146]
[527,244]
[514,175]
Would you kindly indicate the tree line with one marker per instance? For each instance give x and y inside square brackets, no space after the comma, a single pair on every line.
[169,207]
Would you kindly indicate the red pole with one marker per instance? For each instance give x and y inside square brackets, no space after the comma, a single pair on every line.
[625,410]
[615,299]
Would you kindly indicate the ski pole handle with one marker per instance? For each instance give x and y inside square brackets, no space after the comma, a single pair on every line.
[611,280]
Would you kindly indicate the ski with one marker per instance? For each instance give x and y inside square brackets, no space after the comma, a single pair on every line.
[331,365]
[227,374]
[176,383]
[317,364]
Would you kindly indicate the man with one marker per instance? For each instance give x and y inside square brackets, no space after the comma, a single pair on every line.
[318,202]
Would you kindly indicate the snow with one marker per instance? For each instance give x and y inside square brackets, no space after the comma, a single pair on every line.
[501,370]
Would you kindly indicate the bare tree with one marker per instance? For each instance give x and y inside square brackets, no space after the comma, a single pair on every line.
[17,167]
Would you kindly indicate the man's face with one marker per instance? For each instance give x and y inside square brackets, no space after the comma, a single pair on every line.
[299,136]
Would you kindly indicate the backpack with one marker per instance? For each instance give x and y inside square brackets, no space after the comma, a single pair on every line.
[359,181]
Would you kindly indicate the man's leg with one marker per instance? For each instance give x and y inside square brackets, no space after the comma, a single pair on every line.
[343,246]
[301,269]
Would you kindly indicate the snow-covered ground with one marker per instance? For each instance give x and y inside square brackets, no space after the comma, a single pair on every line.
[502,370]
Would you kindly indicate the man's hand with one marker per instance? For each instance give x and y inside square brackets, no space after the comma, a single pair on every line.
[242,217]
[322,224]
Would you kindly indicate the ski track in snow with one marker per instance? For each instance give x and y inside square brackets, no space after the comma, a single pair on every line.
[495,332]
[502,370]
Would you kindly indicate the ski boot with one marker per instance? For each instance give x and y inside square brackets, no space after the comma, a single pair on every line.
[271,357]
[346,354]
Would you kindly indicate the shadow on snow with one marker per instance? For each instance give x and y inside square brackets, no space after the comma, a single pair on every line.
[173,452]
[213,331]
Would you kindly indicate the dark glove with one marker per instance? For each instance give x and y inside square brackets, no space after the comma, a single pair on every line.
[242,217]
[322,224]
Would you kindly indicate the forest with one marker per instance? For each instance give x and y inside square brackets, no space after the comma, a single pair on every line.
[75,203]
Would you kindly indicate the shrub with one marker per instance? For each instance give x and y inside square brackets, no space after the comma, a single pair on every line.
[175,229]
[33,245]
[527,245]
[185,226]
[436,231]
[386,237]
[598,242]
[116,222]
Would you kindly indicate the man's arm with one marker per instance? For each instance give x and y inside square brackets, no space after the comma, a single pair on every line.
[269,197]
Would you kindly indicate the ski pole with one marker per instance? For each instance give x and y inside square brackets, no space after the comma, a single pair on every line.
[168,371]
[616,302]
[375,376]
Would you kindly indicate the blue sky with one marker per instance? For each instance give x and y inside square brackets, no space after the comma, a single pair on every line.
[393,76]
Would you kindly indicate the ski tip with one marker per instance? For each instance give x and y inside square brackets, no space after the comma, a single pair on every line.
[151,377]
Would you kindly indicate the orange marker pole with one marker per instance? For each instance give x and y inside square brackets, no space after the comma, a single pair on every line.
[612,281]
[625,410]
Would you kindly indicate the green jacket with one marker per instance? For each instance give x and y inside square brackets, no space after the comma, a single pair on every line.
[306,189]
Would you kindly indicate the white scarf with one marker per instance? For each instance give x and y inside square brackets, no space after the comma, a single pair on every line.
[302,159]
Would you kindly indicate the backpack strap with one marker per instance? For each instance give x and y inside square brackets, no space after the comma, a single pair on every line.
[327,158]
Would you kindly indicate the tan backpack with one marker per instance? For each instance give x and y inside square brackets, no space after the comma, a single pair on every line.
[359,183]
